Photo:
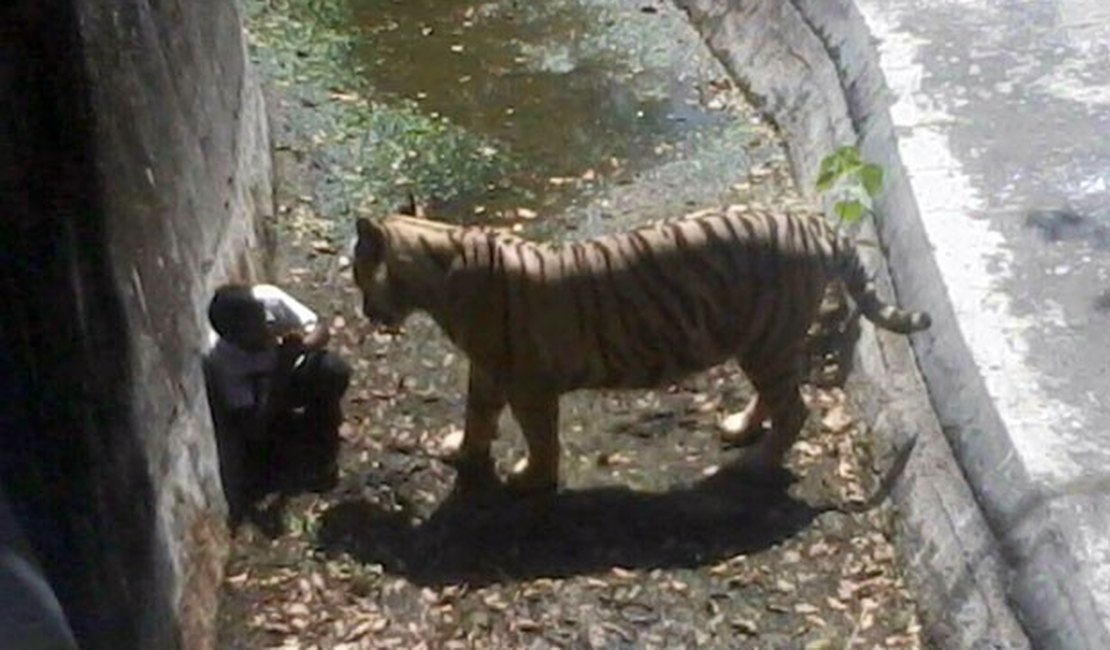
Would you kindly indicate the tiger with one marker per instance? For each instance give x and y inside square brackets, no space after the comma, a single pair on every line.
[636,309]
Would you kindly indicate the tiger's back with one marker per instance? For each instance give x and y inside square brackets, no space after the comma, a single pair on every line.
[648,306]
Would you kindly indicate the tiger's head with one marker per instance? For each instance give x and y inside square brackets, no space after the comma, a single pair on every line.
[381,299]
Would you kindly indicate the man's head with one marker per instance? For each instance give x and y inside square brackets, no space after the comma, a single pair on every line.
[239,318]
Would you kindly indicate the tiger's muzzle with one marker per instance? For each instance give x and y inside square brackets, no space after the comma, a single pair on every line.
[384,319]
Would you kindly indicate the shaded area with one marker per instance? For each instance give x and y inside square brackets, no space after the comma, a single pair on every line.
[478,538]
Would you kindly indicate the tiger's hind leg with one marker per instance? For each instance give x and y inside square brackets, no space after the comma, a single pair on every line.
[538,415]
[484,403]
[778,381]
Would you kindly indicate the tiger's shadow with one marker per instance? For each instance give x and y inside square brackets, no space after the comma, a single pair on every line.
[491,536]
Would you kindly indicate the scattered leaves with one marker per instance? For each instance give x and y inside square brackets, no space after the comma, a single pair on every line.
[296,591]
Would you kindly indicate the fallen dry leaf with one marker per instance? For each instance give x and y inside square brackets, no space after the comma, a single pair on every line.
[837,419]
[745,626]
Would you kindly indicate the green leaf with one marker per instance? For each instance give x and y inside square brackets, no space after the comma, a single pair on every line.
[849,211]
[830,168]
[842,163]
[849,155]
[872,178]
[852,170]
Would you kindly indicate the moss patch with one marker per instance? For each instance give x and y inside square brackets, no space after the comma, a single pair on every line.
[374,149]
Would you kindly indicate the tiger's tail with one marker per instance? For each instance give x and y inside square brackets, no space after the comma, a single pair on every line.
[863,291]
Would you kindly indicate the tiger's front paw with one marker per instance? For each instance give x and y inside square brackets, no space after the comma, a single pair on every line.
[458,454]
[475,475]
[474,469]
[739,431]
[746,427]
[462,457]
[525,479]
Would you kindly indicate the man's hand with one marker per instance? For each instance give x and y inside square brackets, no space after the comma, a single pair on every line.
[294,338]
[290,347]
[318,337]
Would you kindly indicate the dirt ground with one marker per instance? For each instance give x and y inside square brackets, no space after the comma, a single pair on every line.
[654,541]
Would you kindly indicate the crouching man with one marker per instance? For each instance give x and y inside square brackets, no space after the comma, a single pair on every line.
[275,393]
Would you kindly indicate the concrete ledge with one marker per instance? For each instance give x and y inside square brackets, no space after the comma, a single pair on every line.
[1011,384]
[812,67]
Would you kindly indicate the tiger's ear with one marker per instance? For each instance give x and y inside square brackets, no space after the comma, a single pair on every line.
[370,233]
[409,207]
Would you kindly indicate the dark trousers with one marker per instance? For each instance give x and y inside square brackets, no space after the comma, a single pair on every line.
[306,443]
[300,451]
[318,385]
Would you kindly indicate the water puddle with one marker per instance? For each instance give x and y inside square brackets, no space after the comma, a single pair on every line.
[573,94]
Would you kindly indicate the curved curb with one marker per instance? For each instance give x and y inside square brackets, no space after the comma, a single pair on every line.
[811,66]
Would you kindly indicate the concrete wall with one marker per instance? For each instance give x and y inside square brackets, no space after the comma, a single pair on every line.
[134,182]
[812,67]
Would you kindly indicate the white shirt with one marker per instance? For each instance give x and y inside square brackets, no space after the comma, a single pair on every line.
[242,378]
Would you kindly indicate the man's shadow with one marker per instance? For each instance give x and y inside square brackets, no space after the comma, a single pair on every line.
[492,536]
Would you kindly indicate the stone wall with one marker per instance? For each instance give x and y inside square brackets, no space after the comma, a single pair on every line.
[135,181]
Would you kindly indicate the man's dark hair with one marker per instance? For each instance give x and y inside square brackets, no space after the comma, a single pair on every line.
[231,307]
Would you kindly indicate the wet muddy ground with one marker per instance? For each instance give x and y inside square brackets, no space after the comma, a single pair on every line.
[574,117]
